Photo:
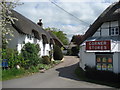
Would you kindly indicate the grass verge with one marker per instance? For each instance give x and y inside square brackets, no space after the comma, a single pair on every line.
[81,75]
[18,73]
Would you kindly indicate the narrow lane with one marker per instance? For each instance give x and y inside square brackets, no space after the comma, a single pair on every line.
[61,76]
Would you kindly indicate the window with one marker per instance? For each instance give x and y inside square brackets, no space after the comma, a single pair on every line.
[104,62]
[114,31]
[30,37]
[27,36]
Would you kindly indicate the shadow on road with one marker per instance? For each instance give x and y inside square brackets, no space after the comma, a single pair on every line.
[68,72]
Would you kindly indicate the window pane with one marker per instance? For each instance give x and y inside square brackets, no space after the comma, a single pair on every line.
[117,31]
[112,31]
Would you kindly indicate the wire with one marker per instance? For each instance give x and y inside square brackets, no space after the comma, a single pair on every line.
[69,13]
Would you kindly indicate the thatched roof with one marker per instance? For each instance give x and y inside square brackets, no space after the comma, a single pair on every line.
[56,40]
[112,13]
[26,26]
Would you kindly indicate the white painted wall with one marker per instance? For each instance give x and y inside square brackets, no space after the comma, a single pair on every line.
[29,40]
[86,58]
[115,63]
[104,32]
[119,62]
[115,23]
[105,28]
[115,46]
[47,49]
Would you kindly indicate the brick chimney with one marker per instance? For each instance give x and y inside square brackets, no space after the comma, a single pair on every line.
[40,22]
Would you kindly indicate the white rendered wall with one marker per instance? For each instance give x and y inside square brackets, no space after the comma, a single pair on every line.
[119,62]
[115,46]
[115,23]
[29,40]
[47,49]
[115,63]
[105,28]
[104,32]
[41,47]
[86,58]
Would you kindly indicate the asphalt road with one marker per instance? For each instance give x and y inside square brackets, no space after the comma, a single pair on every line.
[61,76]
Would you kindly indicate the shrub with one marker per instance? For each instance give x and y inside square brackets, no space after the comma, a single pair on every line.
[46,60]
[11,55]
[57,54]
[30,52]
[75,51]
[69,52]
[13,58]
[91,72]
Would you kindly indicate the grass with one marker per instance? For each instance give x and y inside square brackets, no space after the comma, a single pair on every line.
[18,73]
[81,74]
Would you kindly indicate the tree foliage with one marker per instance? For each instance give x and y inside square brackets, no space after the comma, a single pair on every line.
[76,39]
[6,18]
[60,34]
[57,54]
[30,52]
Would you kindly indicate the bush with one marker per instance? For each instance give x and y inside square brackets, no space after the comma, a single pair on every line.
[30,52]
[46,60]
[80,73]
[69,52]
[13,58]
[75,51]
[57,54]
[91,72]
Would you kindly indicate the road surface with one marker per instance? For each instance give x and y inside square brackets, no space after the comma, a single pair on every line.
[61,76]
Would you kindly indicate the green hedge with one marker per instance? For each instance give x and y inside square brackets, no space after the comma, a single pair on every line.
[91,72]
[57,54]
[30,52]
[46,60]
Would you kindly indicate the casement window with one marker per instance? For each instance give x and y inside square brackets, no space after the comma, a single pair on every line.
[30,37]
[27,36]
[114,31]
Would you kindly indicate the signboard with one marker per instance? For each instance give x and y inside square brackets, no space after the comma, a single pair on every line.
[98,45]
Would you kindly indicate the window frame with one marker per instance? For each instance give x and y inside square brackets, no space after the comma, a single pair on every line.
[114,31]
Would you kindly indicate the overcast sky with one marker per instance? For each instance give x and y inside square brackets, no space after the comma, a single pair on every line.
[52,16]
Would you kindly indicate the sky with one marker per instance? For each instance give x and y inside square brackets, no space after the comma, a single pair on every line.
[85,12]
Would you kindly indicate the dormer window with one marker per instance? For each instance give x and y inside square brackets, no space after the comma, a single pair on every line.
[114,31]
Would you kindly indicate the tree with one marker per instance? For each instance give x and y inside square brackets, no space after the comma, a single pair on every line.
[57,54]
[60,34]
[76,39]
[6,19]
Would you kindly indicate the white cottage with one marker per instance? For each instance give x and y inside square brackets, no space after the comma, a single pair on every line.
[101,46]
[27,31]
